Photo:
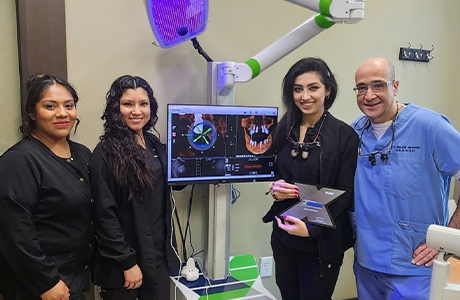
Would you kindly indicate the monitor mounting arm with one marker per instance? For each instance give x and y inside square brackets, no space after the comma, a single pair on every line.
[329,12]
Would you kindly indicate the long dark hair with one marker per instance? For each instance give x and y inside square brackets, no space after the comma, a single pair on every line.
[129,161]
[293,114]
[36,86]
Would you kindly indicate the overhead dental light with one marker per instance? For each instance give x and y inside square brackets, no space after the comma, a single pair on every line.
[176,21]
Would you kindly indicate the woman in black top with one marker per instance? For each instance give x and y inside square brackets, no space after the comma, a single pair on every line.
[46,233]
[133,210]
[312,147]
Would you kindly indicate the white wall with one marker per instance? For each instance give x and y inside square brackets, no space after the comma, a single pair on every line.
[106,39]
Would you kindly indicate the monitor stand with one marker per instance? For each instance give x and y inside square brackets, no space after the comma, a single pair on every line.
[236,277]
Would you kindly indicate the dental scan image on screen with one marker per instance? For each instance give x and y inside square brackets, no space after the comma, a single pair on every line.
[220,144]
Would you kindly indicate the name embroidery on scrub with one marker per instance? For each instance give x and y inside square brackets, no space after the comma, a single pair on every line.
[403,224]
[406,148]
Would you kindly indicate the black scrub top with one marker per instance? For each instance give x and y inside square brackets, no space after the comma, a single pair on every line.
[46,218]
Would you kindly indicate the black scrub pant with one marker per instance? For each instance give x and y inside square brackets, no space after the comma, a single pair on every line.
[152,288]
[300,276]
[8,280]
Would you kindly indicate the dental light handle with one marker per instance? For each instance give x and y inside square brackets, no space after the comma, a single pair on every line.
[445,240]
[440,276]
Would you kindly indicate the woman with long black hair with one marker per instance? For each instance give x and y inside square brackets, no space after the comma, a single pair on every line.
[133,212]
[312,147]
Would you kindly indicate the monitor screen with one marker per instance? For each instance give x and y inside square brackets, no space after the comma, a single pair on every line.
[220,144]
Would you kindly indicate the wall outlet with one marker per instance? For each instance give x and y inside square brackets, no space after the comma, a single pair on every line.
[266,266]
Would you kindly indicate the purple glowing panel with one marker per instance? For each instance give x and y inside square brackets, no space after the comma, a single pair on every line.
[176,21]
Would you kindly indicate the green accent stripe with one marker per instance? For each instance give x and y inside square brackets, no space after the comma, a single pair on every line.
[254,65]
[245,274]
[324,7]
[242,261]
[248,266]
[323,22]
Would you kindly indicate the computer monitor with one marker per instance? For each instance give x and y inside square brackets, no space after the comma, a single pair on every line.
[220,144]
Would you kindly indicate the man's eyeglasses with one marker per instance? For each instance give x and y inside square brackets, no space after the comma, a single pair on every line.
[376,87]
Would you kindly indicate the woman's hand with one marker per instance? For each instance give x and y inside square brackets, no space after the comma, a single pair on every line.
[281,190]
[133,278]
[58,292]
[293,226]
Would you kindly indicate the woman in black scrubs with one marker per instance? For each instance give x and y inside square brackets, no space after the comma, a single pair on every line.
[316,148]
[46,213]
[133,211]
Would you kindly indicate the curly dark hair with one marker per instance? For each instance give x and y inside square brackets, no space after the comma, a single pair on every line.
[36,86]
[293,114]
[129,161]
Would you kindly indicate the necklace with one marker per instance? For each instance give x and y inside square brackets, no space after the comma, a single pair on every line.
[301,146]
[141,141]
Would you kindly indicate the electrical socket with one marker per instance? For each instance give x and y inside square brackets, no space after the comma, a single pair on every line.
[266,266]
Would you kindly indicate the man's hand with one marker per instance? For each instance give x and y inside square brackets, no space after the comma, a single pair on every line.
[133,278]
[58,292]
[293,226]
[424,255]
